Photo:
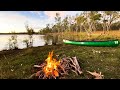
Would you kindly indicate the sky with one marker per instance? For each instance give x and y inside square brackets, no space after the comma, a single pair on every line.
[16,20]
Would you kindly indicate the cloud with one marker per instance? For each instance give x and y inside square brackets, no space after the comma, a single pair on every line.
[15,20]
[9,17]
[52,14]
[10,21]
[38,23]
[36,12]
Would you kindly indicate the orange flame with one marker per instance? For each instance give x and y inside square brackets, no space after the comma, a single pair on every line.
[51,67]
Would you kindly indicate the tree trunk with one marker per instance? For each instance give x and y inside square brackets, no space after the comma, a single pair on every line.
[80,28]
[88,33]
[104,27]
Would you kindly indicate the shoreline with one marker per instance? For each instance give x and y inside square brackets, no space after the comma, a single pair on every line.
[18,34]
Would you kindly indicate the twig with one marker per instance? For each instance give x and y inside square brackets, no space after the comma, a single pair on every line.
[31,77]
[37,66]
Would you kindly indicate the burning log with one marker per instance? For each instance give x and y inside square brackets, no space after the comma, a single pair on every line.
[53,69]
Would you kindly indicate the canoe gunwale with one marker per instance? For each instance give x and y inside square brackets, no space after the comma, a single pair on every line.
[108,43]
[93,41]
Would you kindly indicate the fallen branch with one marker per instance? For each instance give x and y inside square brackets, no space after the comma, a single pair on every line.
[97,75]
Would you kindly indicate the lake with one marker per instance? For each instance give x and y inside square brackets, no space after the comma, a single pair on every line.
[38,40]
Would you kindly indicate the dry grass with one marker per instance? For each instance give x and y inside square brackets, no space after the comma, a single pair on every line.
[98,35]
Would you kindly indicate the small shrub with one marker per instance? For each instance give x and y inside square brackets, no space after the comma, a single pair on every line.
[26,41]
[47,38]
[12,42]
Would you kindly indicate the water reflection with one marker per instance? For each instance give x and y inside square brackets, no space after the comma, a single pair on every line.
[38,40]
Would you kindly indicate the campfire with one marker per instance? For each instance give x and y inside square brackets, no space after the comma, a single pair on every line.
[53,68]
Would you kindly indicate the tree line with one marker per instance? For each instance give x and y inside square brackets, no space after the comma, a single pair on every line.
[87,21]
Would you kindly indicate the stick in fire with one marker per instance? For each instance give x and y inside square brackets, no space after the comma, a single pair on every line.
[53,69]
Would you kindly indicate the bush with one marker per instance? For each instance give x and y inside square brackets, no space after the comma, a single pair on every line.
[26,41]
[13,42]
[47,39]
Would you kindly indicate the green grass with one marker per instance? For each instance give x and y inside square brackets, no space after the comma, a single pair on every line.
[18,64]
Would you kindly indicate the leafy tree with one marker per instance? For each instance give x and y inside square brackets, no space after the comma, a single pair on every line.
[80,20]
[94,18]
[65,23]
[108,18]
[58,22]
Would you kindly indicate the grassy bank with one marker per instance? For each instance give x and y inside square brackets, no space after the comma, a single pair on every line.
[18,64]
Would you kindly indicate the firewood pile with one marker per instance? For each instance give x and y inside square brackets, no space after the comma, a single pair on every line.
[58,69]
[66,65]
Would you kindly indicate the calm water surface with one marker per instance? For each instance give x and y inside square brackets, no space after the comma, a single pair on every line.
[38,40]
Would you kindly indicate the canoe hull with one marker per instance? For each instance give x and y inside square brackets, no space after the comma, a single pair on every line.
[112,43]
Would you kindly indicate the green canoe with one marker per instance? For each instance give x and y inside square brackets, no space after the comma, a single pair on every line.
[110,43]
